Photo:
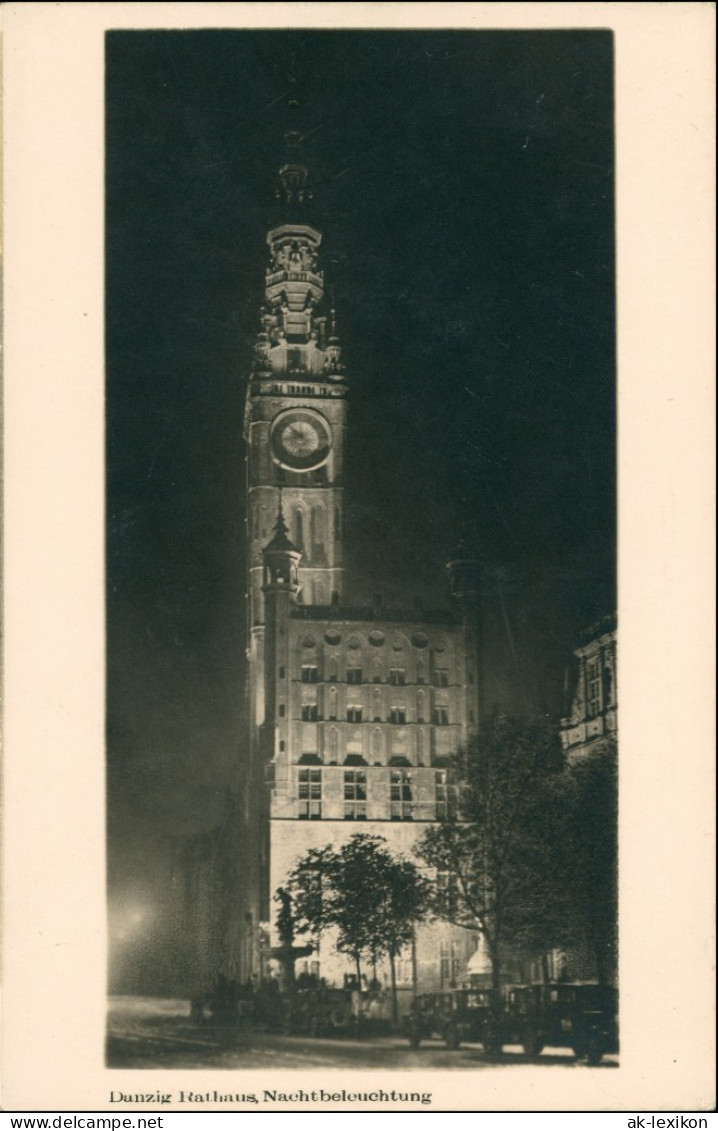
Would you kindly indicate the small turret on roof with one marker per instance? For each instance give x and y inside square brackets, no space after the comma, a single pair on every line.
[280,538]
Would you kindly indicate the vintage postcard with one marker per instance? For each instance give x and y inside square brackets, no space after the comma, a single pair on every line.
[352,469]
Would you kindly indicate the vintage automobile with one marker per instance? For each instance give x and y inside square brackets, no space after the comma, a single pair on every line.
[579,1016]
[322,1012]
[455,1016]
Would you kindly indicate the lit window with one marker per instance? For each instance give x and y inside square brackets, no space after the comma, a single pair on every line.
[400,796]
[354,795]
[310,794]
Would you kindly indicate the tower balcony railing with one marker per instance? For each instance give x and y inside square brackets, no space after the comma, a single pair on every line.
[316,278]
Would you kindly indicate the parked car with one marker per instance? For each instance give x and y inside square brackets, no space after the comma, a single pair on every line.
[322,1012]
[455,1016]
[578,1016]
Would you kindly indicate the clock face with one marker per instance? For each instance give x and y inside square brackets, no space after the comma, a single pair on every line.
[300,439]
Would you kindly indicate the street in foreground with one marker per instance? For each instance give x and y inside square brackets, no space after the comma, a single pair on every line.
[158,1033]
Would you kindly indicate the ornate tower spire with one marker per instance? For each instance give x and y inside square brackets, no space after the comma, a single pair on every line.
[296,335]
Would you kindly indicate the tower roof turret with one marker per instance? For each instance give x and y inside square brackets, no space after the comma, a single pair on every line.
[281,560]
[280,538]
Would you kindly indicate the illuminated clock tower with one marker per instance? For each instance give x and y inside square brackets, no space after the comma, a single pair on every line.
[295,421]
[354,711]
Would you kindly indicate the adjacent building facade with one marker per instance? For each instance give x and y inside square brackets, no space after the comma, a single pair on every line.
[592,722]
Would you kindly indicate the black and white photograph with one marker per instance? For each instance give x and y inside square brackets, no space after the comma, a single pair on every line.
[361,686]
[357,451]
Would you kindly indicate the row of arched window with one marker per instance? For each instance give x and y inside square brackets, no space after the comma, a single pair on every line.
[383,705]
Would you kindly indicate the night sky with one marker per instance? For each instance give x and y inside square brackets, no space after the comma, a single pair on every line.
[464,186]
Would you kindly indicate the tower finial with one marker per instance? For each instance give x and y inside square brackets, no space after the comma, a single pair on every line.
[293,175]
[281,530]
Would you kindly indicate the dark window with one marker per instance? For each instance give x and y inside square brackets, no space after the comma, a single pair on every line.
[397,715]
[441,716]
[354,714]
[354,675]
[593,688]
[309,795]
[400,795]
[441,677]
[397,676]
[309,713]
[281,710]
[354,795]
[310,673]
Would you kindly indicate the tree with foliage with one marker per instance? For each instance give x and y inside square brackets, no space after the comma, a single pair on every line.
[404,901]
[372,899]
[498,858]
[591,856]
